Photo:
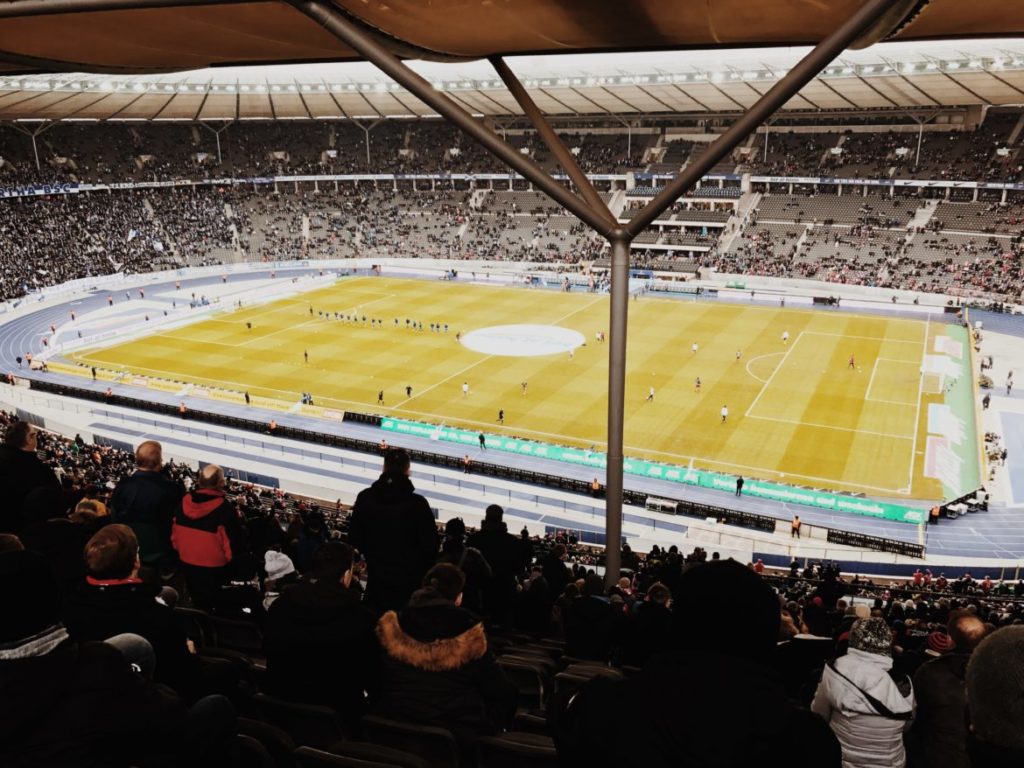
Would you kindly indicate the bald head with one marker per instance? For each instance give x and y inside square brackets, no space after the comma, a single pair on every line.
[149,456]
[211,476]
[966,630]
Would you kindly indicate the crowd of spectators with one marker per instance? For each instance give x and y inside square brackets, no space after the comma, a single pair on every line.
[109,561]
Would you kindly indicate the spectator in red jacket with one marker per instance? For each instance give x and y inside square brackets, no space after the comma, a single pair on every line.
[206,533]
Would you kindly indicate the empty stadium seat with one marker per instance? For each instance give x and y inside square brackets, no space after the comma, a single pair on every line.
[518,750]
[307,724]
[436,746]
[357,754]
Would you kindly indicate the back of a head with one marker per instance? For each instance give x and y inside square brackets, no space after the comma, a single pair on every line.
[995,679]
[396,462]
[659,593]
[966,630]
[593,585]
[455,529]
[111,552]
[17,434]
[331,561]
[149,456]
[446,579]
[210,476]
[494,513]
[745,610]
[30,596]
[871,635]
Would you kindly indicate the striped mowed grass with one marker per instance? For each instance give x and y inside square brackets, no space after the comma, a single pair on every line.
[797,410]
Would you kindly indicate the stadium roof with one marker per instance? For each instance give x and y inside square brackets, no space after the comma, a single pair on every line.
[926,75]
[164,35]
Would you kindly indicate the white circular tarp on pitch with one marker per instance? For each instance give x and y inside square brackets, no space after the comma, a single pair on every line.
[522,340]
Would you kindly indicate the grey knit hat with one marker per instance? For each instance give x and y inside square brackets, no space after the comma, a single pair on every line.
[995,679]
[871,636]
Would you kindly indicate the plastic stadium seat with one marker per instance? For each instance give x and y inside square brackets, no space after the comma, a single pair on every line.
[595,669]
[435,745]
[357,754]
[243,636]
[197,625]
[277,743]
[528,679]
[308,725]
[518,750]
[252,754]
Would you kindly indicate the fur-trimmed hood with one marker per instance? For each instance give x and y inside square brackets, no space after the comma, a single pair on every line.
[433,635]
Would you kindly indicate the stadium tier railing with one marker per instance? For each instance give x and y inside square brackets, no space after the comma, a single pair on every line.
[636,498]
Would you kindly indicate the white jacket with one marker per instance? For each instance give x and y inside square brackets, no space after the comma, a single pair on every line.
[868,739]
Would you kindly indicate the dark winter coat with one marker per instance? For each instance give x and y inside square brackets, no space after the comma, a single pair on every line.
[20,473]
[589,623]
[509,557]
[205,531]
[940,730]
[146,502]
[103,609]
[321,647]
[438,670]
[687,710]
[648,632]
[82,705]
[393,527]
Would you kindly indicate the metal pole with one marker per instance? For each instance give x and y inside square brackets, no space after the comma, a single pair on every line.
[25,8]
[216,135]
[616,404]
[920,137]
[331,19]
[767,129]
[35,149]
[562,155]
[806,70]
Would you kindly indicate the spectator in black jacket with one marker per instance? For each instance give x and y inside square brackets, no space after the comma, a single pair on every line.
[113,600]
[508,558]
[469,560]
[63,702]
[995,707]
[589,622]
[740,717]
[649,630]
[146,502]
[555,571]
[21,471]
[320,639]
[437,668]
[394,529]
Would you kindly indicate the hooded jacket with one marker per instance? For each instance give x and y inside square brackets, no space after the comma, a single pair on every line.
[205,529]
[438,670]
[869,739]
[394,529]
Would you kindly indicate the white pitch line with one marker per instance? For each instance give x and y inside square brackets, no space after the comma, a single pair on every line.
[832,426]
[760,357]
[873,338]
[917,415]
[871,381]
[771,376]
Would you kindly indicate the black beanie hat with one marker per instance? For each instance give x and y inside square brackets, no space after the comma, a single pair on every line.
[724,607]
[30,598]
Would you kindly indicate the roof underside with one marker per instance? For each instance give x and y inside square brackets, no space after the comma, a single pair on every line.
[216,34]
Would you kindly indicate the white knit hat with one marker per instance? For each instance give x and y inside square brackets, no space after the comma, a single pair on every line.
[277,565]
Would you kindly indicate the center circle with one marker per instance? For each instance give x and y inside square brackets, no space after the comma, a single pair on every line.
[522,340]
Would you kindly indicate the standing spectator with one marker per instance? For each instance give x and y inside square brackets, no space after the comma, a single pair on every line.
[555,571]
[437,668]
[995,707]
[147,502]
[21,471]
[939,728]
[589,621]
[866,708]
[393,527]
[63,702]
[649,631]
[508,558]
[320,640]
[741,717]
[469,560]
[207,534]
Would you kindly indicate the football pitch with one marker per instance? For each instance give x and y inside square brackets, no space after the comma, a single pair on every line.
[798,411]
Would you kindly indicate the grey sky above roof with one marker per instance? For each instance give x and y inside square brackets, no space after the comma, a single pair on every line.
[932,74]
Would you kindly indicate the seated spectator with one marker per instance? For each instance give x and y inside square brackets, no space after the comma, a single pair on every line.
[393,527]
[589,622]
[206,534]
[649,631]
[21,471]
[63,702]
[714,700]
[508,558]
[866,708]
[469,561]
[995,707]
[147,502]
[939,729]
[320,639]
[281,574]
[113,600]
[437,668]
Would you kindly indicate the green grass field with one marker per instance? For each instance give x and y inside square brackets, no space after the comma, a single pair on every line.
[798,413]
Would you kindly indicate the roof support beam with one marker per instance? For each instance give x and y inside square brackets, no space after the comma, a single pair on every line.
[555,144]
[620,238]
